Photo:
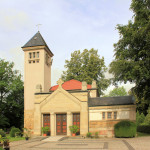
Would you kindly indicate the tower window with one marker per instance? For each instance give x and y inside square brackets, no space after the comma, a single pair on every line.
[37,54]
[37,61]
[33,61]
[33,54]
[30,55]
[29,62]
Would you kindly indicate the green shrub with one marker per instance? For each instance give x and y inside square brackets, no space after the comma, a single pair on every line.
[45,130]
[13,131]
[147,118]
[18,134]
[74,129]
[96,135]
[125,129]
[89,134]
[143,128]
[2,133]
[139,118]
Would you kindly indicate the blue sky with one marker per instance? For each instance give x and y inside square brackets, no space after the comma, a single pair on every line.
[67,25]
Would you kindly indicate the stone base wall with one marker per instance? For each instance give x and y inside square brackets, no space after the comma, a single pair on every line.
[29,119]
[104,128]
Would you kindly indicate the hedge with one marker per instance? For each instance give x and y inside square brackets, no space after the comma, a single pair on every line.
[125,129]
[143,128]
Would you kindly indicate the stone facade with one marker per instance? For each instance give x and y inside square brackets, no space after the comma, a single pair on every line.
[29,119]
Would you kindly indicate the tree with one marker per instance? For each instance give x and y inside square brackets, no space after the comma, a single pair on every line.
[86,66]
[11,96]
[132,53]
[119,91]
[147,118]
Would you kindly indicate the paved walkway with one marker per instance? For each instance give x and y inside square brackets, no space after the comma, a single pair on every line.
[54,138]
[141,143]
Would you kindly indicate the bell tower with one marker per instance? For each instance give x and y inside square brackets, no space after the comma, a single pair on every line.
[37,71]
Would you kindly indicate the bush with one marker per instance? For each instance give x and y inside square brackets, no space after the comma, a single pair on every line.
[2,133]
[45,130]
[89,134]
[147,118]
[139,118]
[96,135]
[13,131]
[144,128]
[74,129]
[125,129]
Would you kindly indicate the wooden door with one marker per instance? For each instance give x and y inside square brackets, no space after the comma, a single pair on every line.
[61,124]
[46,121]
[76,121]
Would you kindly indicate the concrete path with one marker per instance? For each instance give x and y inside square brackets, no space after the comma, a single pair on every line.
[141,143]
[54,138]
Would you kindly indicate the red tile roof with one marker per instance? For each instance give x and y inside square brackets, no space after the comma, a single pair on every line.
[71,85]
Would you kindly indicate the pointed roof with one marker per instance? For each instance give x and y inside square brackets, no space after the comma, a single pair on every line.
[71,85]
[36,40]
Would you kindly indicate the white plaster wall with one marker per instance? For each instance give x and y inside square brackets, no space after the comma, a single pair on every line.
[123,115]
[97,114]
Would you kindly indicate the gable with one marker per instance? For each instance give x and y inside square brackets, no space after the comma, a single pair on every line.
[60,101]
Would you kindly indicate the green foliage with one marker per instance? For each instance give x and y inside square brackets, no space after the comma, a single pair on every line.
[27,132]
[147,118]
[18,134]
[14,131]
[74,129]
[89,134]
[132,53]
[86,66]
[143,128]
[11,96]
[96,135]
[125,129]
[45,130]
[2,133]
[119,91]
[5,142]
[139,118]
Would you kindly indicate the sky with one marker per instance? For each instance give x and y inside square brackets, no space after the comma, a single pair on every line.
[66,26]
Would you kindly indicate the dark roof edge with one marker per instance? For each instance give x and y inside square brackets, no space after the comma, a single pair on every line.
[70,91]
[110,105]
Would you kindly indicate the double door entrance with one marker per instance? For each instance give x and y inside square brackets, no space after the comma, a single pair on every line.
[61,122]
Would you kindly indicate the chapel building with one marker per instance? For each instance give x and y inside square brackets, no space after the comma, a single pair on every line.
[68,103]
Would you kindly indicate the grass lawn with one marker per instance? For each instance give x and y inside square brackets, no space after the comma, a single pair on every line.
[139,134]
[15,138]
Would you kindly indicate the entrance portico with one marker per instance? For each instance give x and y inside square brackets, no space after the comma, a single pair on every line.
[64,110]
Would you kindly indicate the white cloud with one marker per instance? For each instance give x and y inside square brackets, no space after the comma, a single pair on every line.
[11,19]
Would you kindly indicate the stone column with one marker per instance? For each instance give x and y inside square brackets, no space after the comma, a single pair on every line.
[69,123]
[84,119]
[52,118]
